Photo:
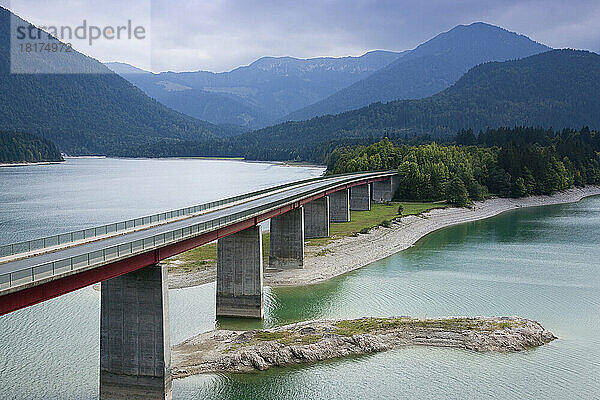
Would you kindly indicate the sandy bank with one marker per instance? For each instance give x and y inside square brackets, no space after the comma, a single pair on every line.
[307,342]
[349,253]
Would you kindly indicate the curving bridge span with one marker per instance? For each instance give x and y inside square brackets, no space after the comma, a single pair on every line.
[125,257]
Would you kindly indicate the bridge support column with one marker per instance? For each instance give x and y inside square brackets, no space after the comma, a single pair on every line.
[286,245]
[135,349]
[360,197]
[395,184]
[382,191]
[316,218]
[339,206]
[240,274]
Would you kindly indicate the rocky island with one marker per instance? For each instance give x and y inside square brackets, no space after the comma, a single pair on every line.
[311,341]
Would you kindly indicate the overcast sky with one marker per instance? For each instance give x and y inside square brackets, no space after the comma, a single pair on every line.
[219,35]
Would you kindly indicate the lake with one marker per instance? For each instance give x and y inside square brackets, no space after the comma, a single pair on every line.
[541,263]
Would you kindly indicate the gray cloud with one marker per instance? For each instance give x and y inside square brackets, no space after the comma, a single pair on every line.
[223,34]
[220,35]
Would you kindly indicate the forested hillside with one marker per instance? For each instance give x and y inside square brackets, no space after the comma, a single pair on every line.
[508,162]
[86,113]
[428,69]
[556,89]
[23,147]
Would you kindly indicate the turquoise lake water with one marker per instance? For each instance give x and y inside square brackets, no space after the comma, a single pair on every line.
[541,263]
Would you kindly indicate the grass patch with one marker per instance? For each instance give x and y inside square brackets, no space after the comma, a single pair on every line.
[376,325]
[369,325]
[194,266]
[309,339]
[416,208]
[364,221]
[199,258]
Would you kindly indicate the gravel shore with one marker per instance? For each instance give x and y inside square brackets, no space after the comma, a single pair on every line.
[349,253]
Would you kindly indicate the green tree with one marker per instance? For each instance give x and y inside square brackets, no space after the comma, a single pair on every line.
[456,192]
[519,188]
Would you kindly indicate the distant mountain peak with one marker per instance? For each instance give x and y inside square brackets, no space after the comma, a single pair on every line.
[427,69]
[479,33]
[370,61]
[480,26]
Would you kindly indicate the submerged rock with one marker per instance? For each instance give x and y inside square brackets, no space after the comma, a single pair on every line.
[311,341]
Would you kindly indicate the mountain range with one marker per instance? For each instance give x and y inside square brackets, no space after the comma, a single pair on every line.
[555,89]
[272,90]
[258,94]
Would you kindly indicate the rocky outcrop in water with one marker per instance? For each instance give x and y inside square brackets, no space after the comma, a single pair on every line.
[307,342]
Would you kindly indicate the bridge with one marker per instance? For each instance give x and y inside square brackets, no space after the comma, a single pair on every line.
[125,257]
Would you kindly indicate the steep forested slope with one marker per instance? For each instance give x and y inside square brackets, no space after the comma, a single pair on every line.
[23,147]
[85,113]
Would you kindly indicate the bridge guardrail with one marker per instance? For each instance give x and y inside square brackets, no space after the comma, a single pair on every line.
[71,237]
[46,270]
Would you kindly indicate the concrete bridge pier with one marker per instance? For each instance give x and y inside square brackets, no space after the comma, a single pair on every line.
[240,274]
[286,246]
[382,191]
[339,206]
[360,197]
[135,350]
[316,218]
[395,179]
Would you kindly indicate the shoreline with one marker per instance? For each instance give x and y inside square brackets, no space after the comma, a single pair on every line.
[220,351]
[353,252]
[205,158]
[28,164]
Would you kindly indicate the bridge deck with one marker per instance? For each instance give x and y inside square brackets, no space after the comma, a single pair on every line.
[252,207]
